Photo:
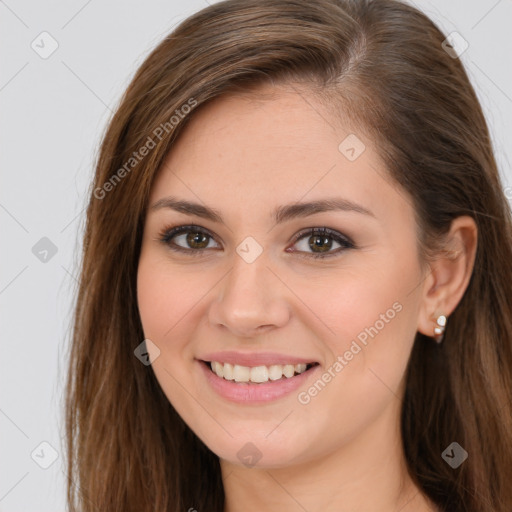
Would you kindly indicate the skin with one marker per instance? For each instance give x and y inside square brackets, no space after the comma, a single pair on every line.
[245,155]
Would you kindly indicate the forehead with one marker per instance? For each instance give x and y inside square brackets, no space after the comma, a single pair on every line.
[270,147]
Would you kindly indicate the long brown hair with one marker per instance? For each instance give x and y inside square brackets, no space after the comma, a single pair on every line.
[382,62]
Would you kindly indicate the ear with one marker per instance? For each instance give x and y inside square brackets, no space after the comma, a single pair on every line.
[449,274]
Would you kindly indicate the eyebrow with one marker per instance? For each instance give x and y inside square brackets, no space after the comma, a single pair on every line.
[281,214]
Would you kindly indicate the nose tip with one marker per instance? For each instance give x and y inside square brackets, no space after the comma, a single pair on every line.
[250,301]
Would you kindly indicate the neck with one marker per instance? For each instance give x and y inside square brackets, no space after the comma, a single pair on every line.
[366,473]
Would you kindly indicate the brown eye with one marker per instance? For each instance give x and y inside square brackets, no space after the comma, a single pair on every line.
[313,242]
[318,242]
[197,240]
[189,239]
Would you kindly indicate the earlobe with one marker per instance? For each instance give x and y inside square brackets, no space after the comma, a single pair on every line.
[449,277]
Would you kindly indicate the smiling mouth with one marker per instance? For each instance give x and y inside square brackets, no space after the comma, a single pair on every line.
[257,374]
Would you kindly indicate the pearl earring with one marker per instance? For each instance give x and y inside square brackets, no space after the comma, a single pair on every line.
[439,329]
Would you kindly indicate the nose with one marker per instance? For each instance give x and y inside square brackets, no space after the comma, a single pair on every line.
[250,300]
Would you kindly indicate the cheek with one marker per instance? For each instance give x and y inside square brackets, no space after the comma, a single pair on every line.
[371,321]
[371,346]
[155,302]
[167,298]
[169,302]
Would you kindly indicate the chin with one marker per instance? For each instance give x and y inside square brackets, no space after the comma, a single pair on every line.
[254,453]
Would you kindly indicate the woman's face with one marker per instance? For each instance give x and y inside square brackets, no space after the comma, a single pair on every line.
[242,286]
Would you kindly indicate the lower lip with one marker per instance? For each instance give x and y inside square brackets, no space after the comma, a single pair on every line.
[246,392]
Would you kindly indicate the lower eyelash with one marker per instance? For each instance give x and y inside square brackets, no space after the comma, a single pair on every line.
[167,234]
[345,243]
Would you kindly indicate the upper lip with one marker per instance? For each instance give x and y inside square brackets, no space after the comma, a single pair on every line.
[254,358]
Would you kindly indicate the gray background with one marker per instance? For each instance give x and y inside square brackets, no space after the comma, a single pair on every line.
[53,114]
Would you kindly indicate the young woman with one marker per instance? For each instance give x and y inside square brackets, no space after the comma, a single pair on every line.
[296,281]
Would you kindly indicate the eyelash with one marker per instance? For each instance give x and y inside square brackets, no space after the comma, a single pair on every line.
[166,235]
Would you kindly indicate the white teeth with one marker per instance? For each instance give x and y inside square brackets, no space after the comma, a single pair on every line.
[288,370]
[275,372]
[228,371]
[217,368]
[241,373]
[257,374]
[299,368]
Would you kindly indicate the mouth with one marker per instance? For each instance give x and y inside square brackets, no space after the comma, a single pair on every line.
[257,374]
